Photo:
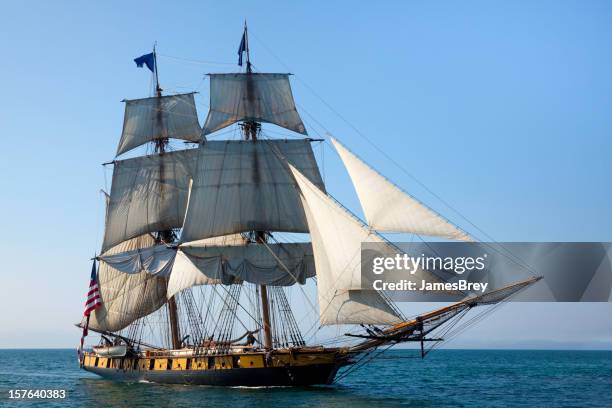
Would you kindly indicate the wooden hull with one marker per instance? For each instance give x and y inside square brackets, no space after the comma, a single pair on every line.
[256,377]
[248,370]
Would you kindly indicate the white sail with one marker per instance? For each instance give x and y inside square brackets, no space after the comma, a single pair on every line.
[150,119]
[223,240]
[282,264]
[389,209]
[185,274]
[257,97]
[148,194]
[127,297]
[336,241]
[156,260]
[246,186]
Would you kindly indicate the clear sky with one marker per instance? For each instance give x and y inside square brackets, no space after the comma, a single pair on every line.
[504,109]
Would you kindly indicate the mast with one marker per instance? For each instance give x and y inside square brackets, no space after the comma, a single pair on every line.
[168,235]
[250,130]
[250,127]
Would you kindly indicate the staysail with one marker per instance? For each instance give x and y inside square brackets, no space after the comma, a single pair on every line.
[127,297]
[246,186]
[336,241]
[148,194]
[160,117]
[389,209]
[251,97]
[282,264]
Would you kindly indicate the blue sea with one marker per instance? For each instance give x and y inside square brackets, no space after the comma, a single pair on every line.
[445,378]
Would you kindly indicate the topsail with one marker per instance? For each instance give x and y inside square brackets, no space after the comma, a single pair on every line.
[148,194]
[246,186]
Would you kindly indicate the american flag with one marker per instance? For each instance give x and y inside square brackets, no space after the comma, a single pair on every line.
[92,303]
[93,296]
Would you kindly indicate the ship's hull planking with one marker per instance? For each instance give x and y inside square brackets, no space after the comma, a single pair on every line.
[249,370]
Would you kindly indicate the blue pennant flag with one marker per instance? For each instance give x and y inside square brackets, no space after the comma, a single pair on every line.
[242,48]
[148,60]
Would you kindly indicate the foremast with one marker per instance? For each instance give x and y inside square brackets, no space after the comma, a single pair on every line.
[165,236]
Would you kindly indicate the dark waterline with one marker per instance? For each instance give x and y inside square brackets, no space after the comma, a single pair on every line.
[445,378]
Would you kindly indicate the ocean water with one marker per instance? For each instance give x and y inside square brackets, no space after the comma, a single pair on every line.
[469,378]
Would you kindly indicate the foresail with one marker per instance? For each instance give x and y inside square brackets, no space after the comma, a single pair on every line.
[357,307]
[336,242]
[156,118]
[244,186]
[282,264]
[256,97]
[389,209]
[148,194]
[127,297]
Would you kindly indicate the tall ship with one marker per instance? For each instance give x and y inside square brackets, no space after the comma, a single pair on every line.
[212,243]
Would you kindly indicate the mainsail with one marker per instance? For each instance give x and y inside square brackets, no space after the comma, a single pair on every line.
[148,194]
[389,209]
[127,297]
[157,118]
[244,186]
[251,97]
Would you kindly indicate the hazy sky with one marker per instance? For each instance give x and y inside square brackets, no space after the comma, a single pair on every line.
[504,109]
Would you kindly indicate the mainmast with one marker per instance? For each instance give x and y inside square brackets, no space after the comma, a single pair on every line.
[250,129]
[166,236]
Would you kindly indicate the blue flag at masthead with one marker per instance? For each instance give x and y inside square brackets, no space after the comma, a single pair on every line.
[147,59]
[243,46]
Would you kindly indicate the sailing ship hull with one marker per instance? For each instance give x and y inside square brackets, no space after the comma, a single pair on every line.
[248,370]
[319,374]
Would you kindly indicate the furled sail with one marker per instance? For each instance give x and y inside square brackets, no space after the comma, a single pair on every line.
[246,186]
[156,260]
[336,242]
[150,119]
[148,194]
[127,297]
[282,264]
[257,97]
[387,208]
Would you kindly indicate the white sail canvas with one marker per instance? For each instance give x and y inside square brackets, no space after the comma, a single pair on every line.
[148,194]
[282,264]
[389,209]
[257,97]
[244,186]
[150,119]
[127,297]
[336,241]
